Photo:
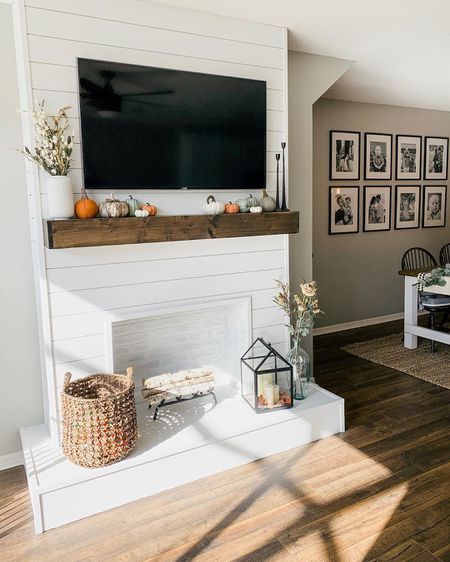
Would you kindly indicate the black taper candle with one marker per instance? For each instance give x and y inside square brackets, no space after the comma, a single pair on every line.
[283,202]
[277,157]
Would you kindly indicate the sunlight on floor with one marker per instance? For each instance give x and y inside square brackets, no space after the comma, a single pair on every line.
[14,513]
[314,516]
[335,482]
[351,525]
[305,505]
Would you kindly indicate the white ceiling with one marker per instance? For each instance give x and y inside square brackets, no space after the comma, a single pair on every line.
[401,48]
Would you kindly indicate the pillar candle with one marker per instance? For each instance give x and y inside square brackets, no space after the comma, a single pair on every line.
[272,394]
[263,381]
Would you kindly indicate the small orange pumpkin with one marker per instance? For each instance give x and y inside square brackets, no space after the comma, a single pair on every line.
[85,208]
[152,210]
[231,208]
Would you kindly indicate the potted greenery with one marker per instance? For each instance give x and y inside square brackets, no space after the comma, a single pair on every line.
[52,153]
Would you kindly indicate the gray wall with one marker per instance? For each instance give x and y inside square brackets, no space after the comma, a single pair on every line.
[357,273]
[309,77]
[21,395]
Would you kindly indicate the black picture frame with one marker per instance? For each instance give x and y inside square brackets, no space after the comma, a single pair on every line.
[386,176]
[426,173]
[337,230]
[333,175]
[418,175]
[419,207]
[389,221]
[442,223]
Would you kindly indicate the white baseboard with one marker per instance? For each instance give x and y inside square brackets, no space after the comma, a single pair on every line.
[11,460]
[357,324]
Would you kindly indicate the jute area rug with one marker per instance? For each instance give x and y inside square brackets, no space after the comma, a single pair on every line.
[420,362]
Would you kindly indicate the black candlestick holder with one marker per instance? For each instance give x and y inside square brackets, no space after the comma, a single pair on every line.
[283,181]
[277,207]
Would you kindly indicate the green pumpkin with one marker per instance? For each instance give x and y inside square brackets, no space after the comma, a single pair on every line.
[133,205]
[243,205]
[252,201]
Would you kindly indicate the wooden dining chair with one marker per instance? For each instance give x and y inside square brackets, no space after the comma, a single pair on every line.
[419,258]
[444,254]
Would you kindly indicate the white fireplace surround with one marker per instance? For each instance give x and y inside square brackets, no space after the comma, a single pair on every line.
[78,289]
[86,296]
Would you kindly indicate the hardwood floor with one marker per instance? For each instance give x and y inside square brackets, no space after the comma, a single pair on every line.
[378,492]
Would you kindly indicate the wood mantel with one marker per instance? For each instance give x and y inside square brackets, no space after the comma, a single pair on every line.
[77,233]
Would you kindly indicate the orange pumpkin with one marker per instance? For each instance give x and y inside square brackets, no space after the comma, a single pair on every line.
[152,210]
[231,208]
[85,208]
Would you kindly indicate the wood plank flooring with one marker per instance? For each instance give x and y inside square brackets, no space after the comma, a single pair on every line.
[378,492]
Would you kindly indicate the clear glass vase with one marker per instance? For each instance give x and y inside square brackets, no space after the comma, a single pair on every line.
[301,364]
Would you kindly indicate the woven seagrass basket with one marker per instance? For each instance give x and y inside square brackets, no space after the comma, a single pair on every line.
[99,418]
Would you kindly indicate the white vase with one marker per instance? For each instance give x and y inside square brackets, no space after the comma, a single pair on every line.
[60,197]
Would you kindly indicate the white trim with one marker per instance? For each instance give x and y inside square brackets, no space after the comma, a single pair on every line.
[411,300]
[11,459]
[32,472]
[357,324]
[434,335]
[286,156]
[49,396]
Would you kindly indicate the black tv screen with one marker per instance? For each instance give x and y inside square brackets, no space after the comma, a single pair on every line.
[154,128]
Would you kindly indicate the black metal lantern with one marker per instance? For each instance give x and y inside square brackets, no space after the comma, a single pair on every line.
[266,378]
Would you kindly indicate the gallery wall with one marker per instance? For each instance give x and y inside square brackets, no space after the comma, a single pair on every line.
[358,273]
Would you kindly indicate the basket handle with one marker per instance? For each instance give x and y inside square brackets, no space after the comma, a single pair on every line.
[67,378]
[130,374]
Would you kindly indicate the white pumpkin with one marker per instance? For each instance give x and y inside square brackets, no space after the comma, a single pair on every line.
[256,209]
[267,202]
[213,207]
[141,213]
[113,208]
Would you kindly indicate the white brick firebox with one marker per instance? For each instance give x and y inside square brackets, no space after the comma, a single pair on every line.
[207,333]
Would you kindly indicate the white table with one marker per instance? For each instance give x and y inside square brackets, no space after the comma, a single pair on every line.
[412,329]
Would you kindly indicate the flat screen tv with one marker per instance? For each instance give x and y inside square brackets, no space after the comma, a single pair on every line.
[154,128]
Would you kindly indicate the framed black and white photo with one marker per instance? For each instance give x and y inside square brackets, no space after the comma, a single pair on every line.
[378,158]
[434,205]
[377,208]
[407,206]
[344,155]
[343,210]
[436,158]
[409,157]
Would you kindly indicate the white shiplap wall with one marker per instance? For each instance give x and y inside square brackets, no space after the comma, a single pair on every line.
[78,288]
